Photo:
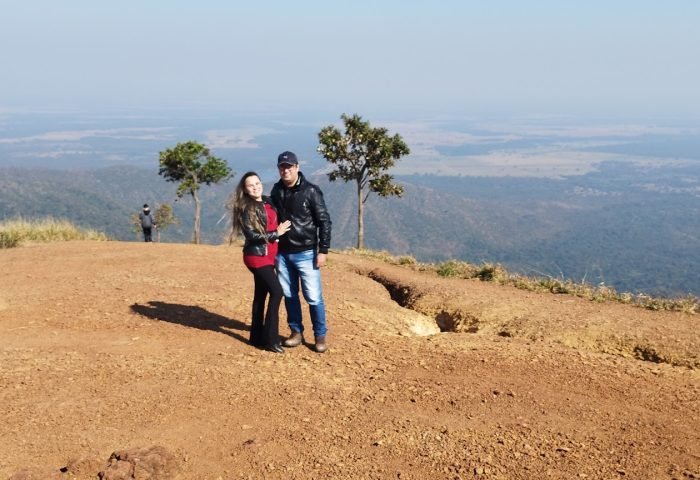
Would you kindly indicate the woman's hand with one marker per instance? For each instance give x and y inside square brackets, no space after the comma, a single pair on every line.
[283,227]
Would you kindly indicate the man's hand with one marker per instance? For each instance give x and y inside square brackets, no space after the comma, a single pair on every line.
[321,259]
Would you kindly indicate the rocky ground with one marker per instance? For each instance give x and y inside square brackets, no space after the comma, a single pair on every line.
[130,360]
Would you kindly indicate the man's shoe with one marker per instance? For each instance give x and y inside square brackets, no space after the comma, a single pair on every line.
[321,344]
[275,348]
[294,340]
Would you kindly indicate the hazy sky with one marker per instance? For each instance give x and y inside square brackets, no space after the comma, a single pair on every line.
[354,56]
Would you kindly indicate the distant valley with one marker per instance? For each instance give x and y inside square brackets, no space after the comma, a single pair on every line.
[633,228]
[609,201]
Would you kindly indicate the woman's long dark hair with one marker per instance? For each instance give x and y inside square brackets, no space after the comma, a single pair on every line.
[240,202]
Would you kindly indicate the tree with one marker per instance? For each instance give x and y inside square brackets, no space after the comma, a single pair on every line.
[362,154]
[191,164]
[164,217]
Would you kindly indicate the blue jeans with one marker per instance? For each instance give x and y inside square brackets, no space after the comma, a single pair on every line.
[291,269]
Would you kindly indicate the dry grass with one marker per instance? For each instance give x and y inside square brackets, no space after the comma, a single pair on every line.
[16,232]
[494,272]
[384,256]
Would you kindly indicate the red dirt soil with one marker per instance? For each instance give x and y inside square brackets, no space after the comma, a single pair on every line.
[110,346]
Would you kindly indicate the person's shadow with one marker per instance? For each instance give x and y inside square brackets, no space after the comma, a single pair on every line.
[191,316]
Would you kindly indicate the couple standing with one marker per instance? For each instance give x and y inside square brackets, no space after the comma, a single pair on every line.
[290,230]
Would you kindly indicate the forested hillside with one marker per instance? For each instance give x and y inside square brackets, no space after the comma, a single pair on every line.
[634,230]
[106,198]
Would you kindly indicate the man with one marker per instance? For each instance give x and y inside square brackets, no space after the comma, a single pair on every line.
[147,222]
[302,251]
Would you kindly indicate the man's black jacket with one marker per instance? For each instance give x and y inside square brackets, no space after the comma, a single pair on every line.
[303,204]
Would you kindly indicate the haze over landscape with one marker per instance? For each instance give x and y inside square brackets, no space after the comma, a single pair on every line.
[558,139]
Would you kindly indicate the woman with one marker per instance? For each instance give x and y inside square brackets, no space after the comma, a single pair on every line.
[256,218]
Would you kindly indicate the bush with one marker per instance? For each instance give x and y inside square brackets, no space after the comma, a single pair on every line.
[407,260]
[492,272]
[455,268]
[8,239]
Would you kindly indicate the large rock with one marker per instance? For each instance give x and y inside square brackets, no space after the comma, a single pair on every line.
[153,463]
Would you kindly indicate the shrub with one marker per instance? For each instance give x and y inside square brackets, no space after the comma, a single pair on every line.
[407,260]
[455,268]
[553,285]
[8,239]
[492,272]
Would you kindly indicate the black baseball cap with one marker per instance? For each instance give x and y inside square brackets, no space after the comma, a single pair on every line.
[287,158]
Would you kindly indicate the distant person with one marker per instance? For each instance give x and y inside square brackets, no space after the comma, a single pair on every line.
[256,218]
[303,251]
[147,223]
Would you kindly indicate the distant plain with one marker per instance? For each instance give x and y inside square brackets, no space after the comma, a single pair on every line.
[598,200]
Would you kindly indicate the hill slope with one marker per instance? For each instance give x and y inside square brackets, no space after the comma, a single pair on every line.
[603,227]
[115,345]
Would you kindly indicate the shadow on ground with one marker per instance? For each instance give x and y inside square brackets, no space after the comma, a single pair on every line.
[192,316]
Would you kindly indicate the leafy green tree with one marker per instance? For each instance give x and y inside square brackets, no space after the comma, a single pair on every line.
[362,154]
[191,164]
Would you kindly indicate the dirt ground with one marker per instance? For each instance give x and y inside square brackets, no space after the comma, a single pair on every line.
[108,346]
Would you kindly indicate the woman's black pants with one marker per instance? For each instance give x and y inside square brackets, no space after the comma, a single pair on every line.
[264,330]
